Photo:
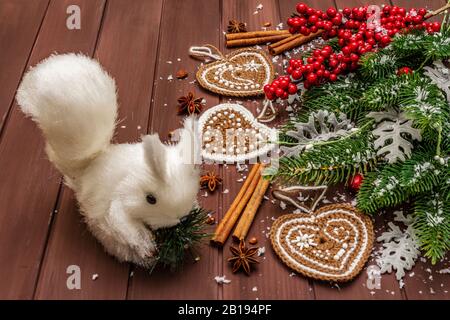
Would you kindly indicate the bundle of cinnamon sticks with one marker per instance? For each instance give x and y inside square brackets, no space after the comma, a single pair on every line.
[242,39]
[249,197]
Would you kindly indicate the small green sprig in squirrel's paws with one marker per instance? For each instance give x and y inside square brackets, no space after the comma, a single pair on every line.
[174,242]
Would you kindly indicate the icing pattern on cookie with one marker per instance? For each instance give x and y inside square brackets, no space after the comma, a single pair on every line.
[241,73]
[230,133]
[332,244]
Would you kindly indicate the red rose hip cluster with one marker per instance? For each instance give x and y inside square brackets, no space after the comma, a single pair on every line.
[355,38]
[281,88]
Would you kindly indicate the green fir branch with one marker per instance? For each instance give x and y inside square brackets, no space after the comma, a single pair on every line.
[175,242]
[432,224]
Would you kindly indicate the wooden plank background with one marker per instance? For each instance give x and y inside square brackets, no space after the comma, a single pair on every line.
[142,43]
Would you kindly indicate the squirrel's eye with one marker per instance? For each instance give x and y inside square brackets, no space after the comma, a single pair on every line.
[150,199]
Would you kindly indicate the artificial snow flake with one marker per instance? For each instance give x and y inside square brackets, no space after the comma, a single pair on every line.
[400,248]
[222,280]
[321,126]
[304,241]
[390,132]
[252,66]
[440,75]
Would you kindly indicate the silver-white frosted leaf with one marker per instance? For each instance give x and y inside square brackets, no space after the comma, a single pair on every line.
[440,75]
[394,132]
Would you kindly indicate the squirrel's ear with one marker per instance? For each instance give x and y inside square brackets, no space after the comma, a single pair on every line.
[155,155]
[189,143]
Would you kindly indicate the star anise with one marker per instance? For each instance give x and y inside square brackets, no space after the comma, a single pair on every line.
[210,180]
[189,104]
[235,26]
[243,258]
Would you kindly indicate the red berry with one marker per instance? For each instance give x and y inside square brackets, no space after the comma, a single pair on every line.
[404,70]
[436,26]
[307,69]
[292,88]
[336,20]
[346,50]
[284,84]
[354,57]
[385,40]
[417,19]
[310,11]
[325,53]
[319,73]
[314,29]
[333,77]
[313,19]
[312,78]
[422,11]
[267,88]
[346,11]
[331,12]
[279,92]
[332,33]
[296,74]
[270,95]
[356,182]
[301,8]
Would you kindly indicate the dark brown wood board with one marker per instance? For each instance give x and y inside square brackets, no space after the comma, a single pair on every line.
[129,60]
[142,44]
[19,25]
[30,184]
[196,280]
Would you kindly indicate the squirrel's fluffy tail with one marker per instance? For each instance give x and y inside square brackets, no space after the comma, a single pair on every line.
[74,102]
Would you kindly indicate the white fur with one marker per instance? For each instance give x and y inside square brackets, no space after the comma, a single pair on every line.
[74,102]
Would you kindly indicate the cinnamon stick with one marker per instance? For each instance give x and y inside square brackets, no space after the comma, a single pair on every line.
[250,211]
[254,34]
[294,41]
[227,223]
[253,41]
[286,40]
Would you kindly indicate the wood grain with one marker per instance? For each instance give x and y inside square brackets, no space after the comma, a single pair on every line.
[130,61]
[20,21]
[196,280]
[141,43]
[29,187]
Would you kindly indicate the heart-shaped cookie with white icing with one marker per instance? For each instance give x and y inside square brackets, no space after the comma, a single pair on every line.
[230,133]
[331,244]
[241,73]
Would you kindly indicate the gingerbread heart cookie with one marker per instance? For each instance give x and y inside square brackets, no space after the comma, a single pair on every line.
[230,133]
[331,244]
[241,73]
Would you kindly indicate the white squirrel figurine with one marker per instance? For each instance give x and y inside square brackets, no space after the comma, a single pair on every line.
[122,189]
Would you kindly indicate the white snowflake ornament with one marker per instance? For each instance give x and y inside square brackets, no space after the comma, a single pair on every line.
[400,248]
